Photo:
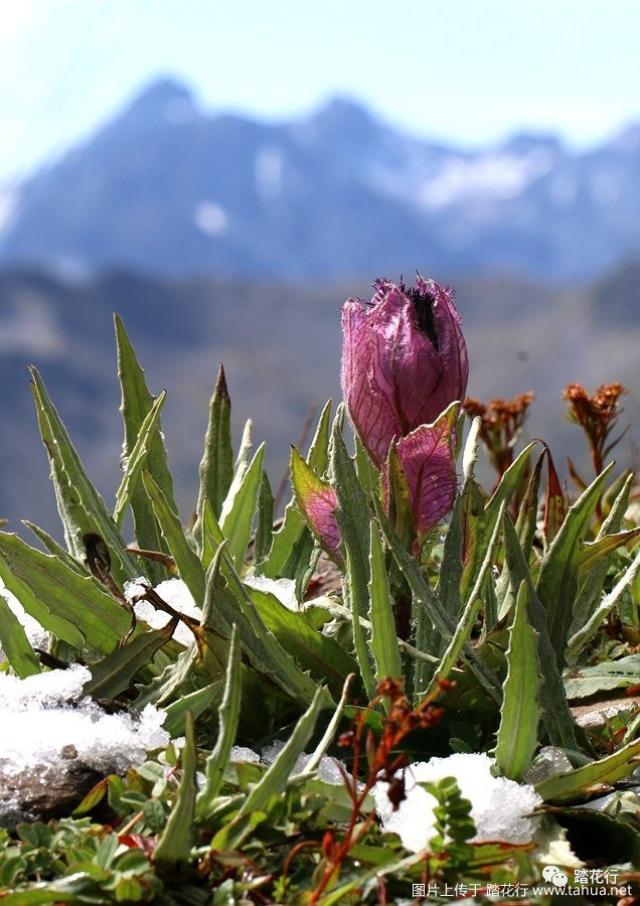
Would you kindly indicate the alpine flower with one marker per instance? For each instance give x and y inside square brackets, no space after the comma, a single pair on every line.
[404,361]
[427,463]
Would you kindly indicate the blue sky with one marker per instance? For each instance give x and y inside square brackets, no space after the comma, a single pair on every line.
[463,70]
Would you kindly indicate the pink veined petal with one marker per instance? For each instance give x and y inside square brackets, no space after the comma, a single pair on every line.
[318,502]
[452,353]
[320,510]
[366,387]
[428,463]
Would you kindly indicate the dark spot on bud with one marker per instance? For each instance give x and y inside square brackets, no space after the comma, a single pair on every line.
[423,303]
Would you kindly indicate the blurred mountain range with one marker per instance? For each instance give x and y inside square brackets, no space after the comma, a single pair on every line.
[169,189]
[280,344]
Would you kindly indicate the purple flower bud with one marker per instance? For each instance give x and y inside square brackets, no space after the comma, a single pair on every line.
[404,361]
[427,460]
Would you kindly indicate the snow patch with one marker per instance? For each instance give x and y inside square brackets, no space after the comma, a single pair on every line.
[328,769]
[240,754]
[496,175]
[36,635]
[500,808]
[173,592]
[47,713]
[282,589]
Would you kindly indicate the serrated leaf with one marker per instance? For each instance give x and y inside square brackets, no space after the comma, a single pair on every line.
[195,702]
[453,553]
[526,526]
[230,604]
[137,459]
[237,520]
[320,654]
[426,598]
[583,682]
[353,520]
[384,642]
[572,784]
[332,728]
[264,527]
[368,472]
[452,566]
[81,508]
[175,680]
[274,780]
[174,845]
[56,549]
[228,716]
[136,404]
[581,638]
[212,536]
[517,738]
[557,717]
[115,673]
[471,450]
[187,561]
[594,552]
[557,584]
[74,608]
[591,587]
[354,513]
[14,643]
[464,628]
[481,529]
[239,468]
[216,466]
[280,563]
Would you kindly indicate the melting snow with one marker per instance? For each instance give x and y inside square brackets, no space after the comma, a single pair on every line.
[500,807]
[241,754]
[34,631]
[328,770]
[175,593]
[47,712]
[549,761]
[283,589]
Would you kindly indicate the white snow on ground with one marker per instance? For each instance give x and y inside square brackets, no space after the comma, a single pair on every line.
[328,770]
[35,633]
[282,589]
[240,754]
[47,712]
[499,807]
[175,593]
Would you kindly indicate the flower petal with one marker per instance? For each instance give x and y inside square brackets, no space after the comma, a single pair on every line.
[318,502]
[428,463]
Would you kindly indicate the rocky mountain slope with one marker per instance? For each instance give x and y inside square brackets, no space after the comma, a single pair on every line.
[168,188]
